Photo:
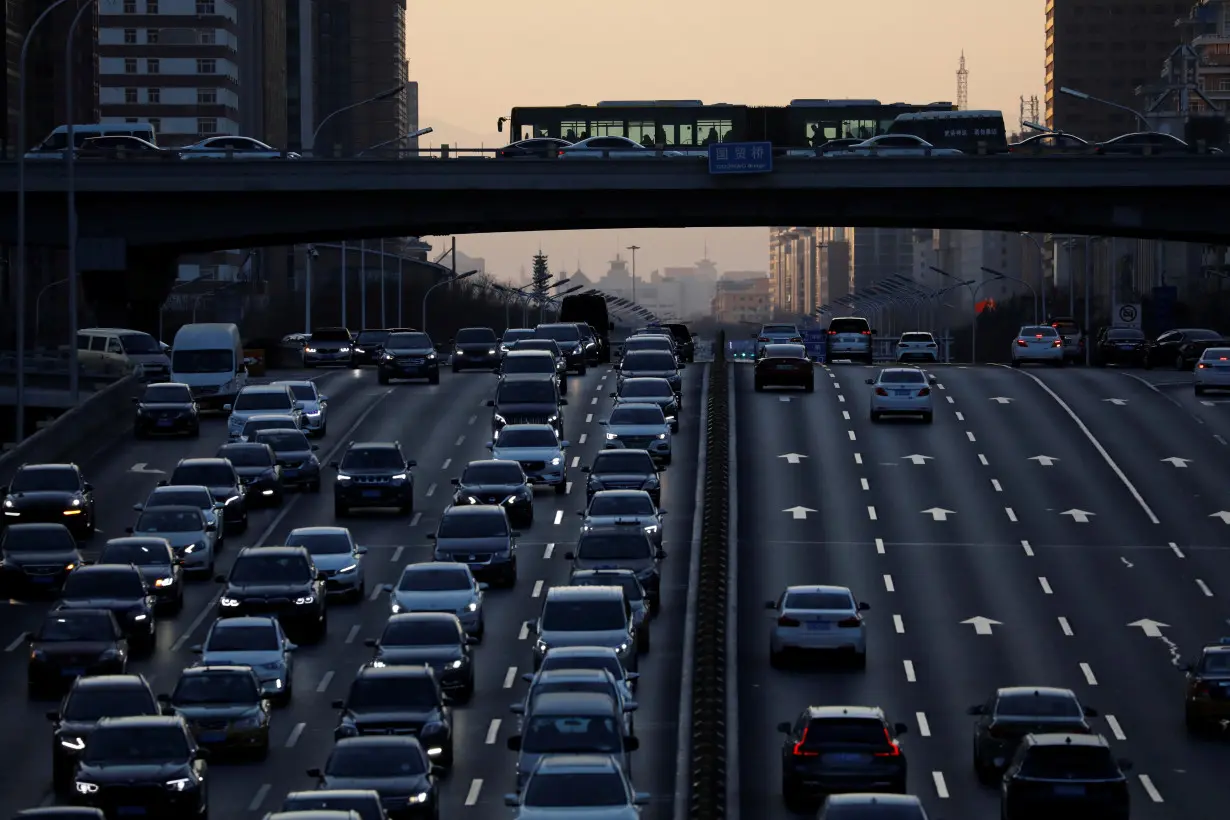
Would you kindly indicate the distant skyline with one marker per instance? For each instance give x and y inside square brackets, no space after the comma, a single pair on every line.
[473,68]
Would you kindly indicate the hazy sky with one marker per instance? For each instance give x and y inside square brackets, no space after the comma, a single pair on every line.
[474,62]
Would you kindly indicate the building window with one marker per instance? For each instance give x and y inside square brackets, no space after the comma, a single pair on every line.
[130,36]
[130,65]
[151,6]
[155,123]
[207,37]
[207,125]
[206,96]
[130,6]
[207,66]
[153,96]
[205,7]
[130,96]
[153,65]
[1223,84]
[151,36]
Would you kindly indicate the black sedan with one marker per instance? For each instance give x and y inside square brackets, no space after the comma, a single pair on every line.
[396,767]
[369,346]
[533,148]
[1121,345]
[432,639]
[166,409]
[37,557]
[398,700]
[498,482]
[1016,711]
[155,559]
[50,494]
[120,589]
[1182,347]
[258,469]
[1144,143]
[89,700]
[72,643]
[784,366]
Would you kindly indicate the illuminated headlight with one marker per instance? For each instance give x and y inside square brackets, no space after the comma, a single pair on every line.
[611,436]
[498,419]
[343,477]
[513,498]
[347,568]
[622,648]
[455,665]
[430,356]
[76,502]
[343,350]
[435,751]
[358,350]
[472,606]
[386,357]
[553,419]
[199,545]
[306,599]
[396,608]
[312,414]
[179,784]
[491,352]
[415,799]
[540,645]
[670,418]
[662,436]
[472,500]
[309,350]
[140,617]
[228,602]
[74,743]
[8,504]
[555,461]
[231,500]
[164,582]
[651,529]
[86,788]
[399,477]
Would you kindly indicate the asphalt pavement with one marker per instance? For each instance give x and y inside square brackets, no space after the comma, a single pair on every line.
[1051,527]
[442,427]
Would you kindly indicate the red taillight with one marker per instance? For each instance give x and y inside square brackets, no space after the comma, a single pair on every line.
[832,332]
[799,751]
[926,391]
[1038,336]
[798,339]
[1058,343]
[1203,366]
[880,391]
[850,623]
[893,749]
[559,153]
[1021,343]
[786,620]
[763,339]
[866,332]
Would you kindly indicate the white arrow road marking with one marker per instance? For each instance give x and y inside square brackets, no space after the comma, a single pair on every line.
[144,467]
[917,459]
[1045,461]
[1126,562]
[1178,462]
[792,458]
[1079,516]
[982,625]
[1151,628]
[1117,402]
[938,513]
[1223,515]
[799,513]
[1001,399]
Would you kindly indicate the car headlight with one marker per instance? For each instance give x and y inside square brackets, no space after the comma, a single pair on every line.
[399,477]
[140,616]
[199,545]
[472,606]
[386,357]
[472,500]
[395,608]
[555,461]
[622,648]
[343,350]
[651,529]
[37,655]
[305,600]
[553,419]
[513,498]
[76,502]
[498,419]
[86,788]
[431,356]
[249,722]
[456,664]
[228,602]
[8,504]
[661,436]
[179,784]
[415,799]
[611,436]
[164,582]
[347,568]
[491,352]
[540,645]
[74,743]
[343,477]
[309,350]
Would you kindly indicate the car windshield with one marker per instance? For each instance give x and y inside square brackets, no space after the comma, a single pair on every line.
[481,525]
[203,361]
[93,704]
[215,687]
[902,377]
[1044,332]
[244,456]
[637,415]
[874,811]
[366,762]
[916,337]
[648,343]
[1202,335]
[569,789]
[648,360]
[172,497]
[139,344]
[544,735]
[263,400]
[435,580]
[777,330]
[528,364]
[1216,354]
[87,626]
[648,388]
[502,473]
[1069,763]
[227,638]
[117,745]
[170,521]
[633,546]
[535,392]
[111,583]
[142,555]
[560,333]
[848,326]
[320,543]
[39,539]
[401,692]
[372,337]
[331,334]
[593,615]
[416,632]
[284,441]
[852,731]
[608,662]
[408,341]
[167,394]
[818,600]
[373,458]
[1030,705]
[616,505]
[511,437]
[270,569]
[475,335]
[631,587]
[303,392]
[207,475]
[614,462]
[46,480]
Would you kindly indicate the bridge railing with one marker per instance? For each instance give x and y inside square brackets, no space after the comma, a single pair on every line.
[51,363]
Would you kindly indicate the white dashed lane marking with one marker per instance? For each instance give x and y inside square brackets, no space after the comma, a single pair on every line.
[970,435]
[325,680]
[941,788]
[546,554]
[1011,515]
[1028,549]
[493,731]
[850,433]
[352,634]
[871,513]
[1115,728]
[983,460]
[909,671]
[880,546]
[1147,783]
[899,624]
[510,677]
[537,592]
[1175,548]
[1087,671]
[295,734]
[888,584]
[1065,626]
[996,485]
[1045,584]
[924,728]
[476,788]
[1208,593]
[865,485]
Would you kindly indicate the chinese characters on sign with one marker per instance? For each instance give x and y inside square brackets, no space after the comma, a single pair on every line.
[972,132]
[741,158]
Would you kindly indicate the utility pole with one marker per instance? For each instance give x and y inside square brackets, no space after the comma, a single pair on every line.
[634,249]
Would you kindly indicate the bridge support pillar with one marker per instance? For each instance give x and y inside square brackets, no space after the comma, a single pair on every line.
[131,298]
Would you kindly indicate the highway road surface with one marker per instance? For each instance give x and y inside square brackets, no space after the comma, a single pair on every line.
[1051,527]
[442,427]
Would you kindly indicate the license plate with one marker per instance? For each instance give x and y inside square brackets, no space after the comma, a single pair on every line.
[1069,791]
[164,422]
[371,493]
[131,811]
[784,367]
[901,392]
[42,579]
[845,757]
[73,672]
[212,737]
[818,626]
[1126,347]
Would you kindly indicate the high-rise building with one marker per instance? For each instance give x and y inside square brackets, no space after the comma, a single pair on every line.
[1107,49]
[878,253]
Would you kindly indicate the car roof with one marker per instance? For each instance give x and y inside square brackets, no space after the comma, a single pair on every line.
[111,682]
[569,593]
[621,494]
[264,417]
[344,794]
[60,812]
[633,527]
[179,488]
[138,541]
[582,651]
[1063,739]
[577,764]
[205,669]
[1040,691]
[241,621]
[374,445]
[312,814]
[422,617]
[474,511]
[174,507]
[107,569]
[263,388]
[206,461]
[93,611]
[637,405]
[564,703]
[281,551]
[295,382]
[531,377]
[873,799]
[245,445]
[320,531]
[818,588]
[608,572]
[835,712]
[395,671]
[532,354]
[484,462]
[51,465]
[378,740]
[36,527]
[451,566]
[640,379]
[602,453]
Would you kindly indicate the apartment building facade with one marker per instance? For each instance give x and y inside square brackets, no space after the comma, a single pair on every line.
[742,301]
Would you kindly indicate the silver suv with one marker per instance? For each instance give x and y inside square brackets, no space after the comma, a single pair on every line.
[850,337]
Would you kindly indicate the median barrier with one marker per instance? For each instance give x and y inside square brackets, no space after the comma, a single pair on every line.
[84,429]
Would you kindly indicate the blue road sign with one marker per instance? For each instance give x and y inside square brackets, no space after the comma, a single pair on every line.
[814,341]
[741,158]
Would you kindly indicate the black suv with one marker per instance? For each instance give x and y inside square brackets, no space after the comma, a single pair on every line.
[821,741]
[120,589]
[436,640]
[50,494]
[503,483]
[73,643]
[623,470]
[257,467]
[527,399]
[279,581]
[398,700]
[685,341]
[37,557]
[224,485]
[408,356]
[571,343]
[89,700]
[155,559]
[1065,775]
[476,347]
[166,408]
[373,474]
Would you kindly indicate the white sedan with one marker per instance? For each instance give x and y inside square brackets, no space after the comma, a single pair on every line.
[1038,343]
[902,391]
[610,148]
[896,145]
[917,346]
[233,147]
[818,618]
[1213,370]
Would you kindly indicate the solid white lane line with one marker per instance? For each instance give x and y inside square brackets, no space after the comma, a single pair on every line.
[575,459]
[845,414]
[924,728]
[559,516]
[476,788]
[880,546]
[1065,626]
[524,633]
[1011,514]
[864,484]
[1147,783]
[510,677]
[546,554]
[1028,549]
[1115,728]
[850,433]
[1087,671]
[261,794]
[1208,593]
[898,624]
[960,416]
[295,734]
[537,589]
[909,671]
[1175,548]
[493,731]
[447,462]
[871,513]
[414,521]
[983,460]
[888,584]
[325,680]
[459,440]
[1046,585]
[352,634]
[941,788]
[970,435]
[396,555]
[18,641]
[995,484]
[582,439]
[858,458]
[431,491]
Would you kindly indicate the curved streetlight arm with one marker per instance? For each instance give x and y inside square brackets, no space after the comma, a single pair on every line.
[1081,95]
[445,281]
[1033,292]
[383,95]
[402,138]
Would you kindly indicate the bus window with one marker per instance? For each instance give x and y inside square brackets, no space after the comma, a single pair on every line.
[818,133]
[571,130]
[608,128]
[527,133]
[858,129]
[687,134]
[642,131]
[711,131]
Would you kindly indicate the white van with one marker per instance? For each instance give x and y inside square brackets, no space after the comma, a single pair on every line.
[119,350]
[53,146]
[208,357]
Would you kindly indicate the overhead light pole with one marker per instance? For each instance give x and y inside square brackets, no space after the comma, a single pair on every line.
[634,249]
[310,148]
[448,280]
[1081,95]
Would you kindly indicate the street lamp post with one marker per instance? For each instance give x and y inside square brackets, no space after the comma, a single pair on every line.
[445,281]
[38,310]
[70,159]
[412,135]
[1081,95]
[1041,271]
[634,249]
[383,95]
[307,288]
[1032,292]
[973,295]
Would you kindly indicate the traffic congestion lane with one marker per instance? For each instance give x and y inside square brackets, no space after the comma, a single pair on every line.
[30,773]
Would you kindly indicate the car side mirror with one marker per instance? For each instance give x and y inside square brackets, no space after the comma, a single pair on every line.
[661,512]
[632,743]
[585,469]
[211,527]
[201,754]
[138,507]
[226,408]
[370,642]
[360,550]
[869,381]
[528,677]
[532,627]
[660,554]
[563,402]
[490,445]
[784,726]
[197,649]
[322,398]
[483,586]
[315,448]
[316,773]
[863,606]
[128,530]
[633,676]
[412,463]
[517,708]
[219,579]
[570,556]
[514,743]
[321,576]
[641,799]
[333,464]
[900,729]
[456,482]
[339,704]
[631,706]
[604,422]
[291,647]
[511,801]
[564,445]
[1090,712]
[1125,764]
[431,536]
[976,711]
[53,716]
[490,402]
[438,771]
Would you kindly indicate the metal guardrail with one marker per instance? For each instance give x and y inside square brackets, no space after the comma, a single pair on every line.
[55,363]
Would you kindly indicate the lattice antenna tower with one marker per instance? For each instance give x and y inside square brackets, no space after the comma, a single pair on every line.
[962,85]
